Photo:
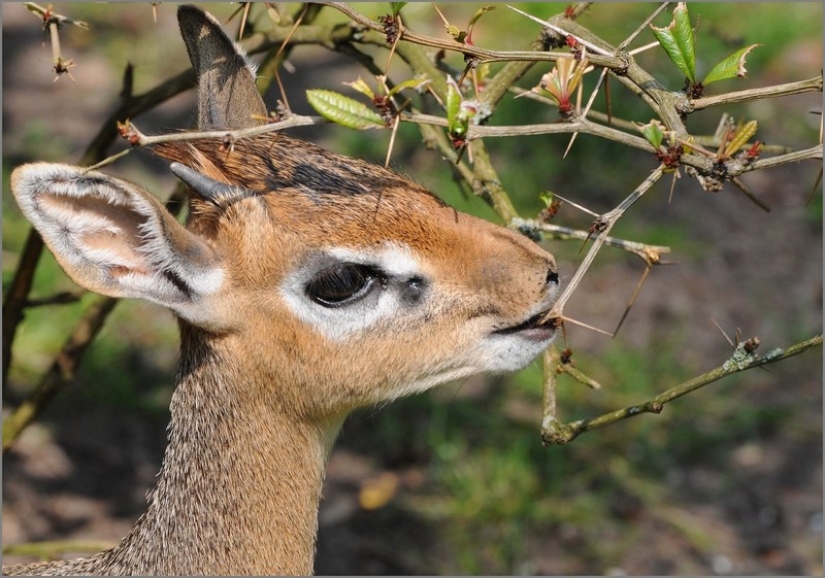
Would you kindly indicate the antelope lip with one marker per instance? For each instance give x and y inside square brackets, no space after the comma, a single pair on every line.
[533,328]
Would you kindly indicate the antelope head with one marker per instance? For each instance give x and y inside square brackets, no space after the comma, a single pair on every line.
[325,282]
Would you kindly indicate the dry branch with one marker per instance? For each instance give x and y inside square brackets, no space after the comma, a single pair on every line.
[554,432]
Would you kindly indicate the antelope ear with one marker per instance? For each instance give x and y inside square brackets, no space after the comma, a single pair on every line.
[116,239]
[227,95]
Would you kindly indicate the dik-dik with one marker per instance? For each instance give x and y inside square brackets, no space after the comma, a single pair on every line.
[306,284]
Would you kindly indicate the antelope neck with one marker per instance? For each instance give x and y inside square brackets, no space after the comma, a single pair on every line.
[239,488]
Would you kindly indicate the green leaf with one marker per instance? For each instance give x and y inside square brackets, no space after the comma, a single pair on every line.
[652,131]
[677,40]
[733,65]
[396,7]
[343,110]
[684,37]
[452,104]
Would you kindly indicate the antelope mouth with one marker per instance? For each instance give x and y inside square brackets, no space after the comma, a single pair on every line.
[540,327]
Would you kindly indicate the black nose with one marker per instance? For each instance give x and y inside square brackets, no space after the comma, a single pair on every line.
[552,277]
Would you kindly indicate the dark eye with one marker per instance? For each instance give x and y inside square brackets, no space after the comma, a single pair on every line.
[341,284]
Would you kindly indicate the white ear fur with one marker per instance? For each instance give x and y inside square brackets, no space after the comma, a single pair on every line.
[114,238]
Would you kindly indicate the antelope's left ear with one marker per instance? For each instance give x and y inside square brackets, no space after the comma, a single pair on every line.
[227,95]
[114,238]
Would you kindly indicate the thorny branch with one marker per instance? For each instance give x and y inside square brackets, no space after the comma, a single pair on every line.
[601,226]
[52,22]
[776,91]
[648,253]
[743,358]
[731,168]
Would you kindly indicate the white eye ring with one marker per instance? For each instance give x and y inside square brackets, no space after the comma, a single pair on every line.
[341,292]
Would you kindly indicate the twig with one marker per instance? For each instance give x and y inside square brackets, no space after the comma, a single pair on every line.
[633,297]
[643,250]
[624,44]
[433,136]
[52,22]
[635,77]
[731,168]
[566,320]
[603,225]
[551,360]
[268,69]
[579,376]
[747,192]
[137,138]
[578,125]
[555,362]
[666,104]
[812,153]
[554,432]
[496,87]
[483,54]
[650,254]
[810,85]
[594,115]
[60,65]
[641,28]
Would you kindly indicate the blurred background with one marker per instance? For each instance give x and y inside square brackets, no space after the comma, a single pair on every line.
[727,480]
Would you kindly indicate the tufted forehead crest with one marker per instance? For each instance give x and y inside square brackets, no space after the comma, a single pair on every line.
[273,162]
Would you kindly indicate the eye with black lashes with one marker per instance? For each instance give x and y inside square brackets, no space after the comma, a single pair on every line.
[343,283]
